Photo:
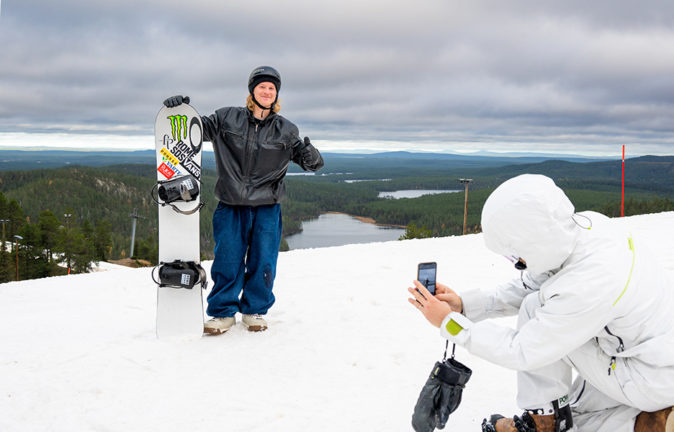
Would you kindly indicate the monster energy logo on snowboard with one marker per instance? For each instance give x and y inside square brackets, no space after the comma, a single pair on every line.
[184,152]
[178,125]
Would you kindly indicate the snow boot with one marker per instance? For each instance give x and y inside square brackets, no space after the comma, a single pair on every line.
[254,323]
[216,326]
[532,421]
[658,421]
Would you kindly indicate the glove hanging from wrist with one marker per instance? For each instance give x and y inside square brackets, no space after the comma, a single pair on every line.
[441,395]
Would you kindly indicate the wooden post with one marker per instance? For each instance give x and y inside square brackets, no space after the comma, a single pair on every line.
[465,202]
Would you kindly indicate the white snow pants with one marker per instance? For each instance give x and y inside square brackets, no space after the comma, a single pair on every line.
[598,402]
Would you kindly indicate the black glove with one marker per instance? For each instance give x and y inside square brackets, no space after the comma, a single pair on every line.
[423,419]
[306,143]
[522,424]
[490,425]
[174,101]
[440,396]
[308,157]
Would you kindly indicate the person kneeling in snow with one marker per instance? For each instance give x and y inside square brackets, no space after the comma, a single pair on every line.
[592,300]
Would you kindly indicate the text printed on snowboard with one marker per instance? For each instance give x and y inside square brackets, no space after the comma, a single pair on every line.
[176,152]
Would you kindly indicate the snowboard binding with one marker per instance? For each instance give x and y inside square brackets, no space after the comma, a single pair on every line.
[180,274]
[180,189]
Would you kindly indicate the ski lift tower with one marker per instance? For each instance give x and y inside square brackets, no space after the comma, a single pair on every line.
[465,203]
[135,217]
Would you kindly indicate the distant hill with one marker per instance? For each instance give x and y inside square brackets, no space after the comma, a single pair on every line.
[653,173]
[395,164]
[649,173]
[36,159]
[501,157]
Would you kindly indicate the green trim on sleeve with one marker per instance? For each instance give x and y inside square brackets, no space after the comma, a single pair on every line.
[453,327]
[630,242]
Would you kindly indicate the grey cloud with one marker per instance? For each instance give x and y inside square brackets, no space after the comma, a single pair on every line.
[437,70]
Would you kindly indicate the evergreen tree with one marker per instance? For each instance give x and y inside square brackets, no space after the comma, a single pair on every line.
[3,206]
[412,232]
[15,217]
[33,263]
[102,240]
[48,227]
[66,246]
[83,252]
[5,274]
[4,214]
[5,266]
[147,249]
[87,230]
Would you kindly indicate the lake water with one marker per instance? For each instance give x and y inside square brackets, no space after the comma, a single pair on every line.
[338,230]
[416,193]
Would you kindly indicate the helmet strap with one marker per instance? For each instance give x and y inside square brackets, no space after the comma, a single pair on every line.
[271,108]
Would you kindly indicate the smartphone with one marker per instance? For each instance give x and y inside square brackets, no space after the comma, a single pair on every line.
[426,274]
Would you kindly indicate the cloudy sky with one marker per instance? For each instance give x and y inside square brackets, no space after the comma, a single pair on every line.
[432,75]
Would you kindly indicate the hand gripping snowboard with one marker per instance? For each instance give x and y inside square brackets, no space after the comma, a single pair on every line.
[179,276]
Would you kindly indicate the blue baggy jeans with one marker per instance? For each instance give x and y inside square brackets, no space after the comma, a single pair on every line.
[247,241]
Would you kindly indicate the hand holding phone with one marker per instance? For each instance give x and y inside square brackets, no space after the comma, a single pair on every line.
[426,274]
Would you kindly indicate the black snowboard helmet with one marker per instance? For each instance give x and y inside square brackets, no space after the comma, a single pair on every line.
[264,74]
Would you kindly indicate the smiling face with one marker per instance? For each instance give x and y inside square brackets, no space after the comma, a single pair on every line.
[265,93]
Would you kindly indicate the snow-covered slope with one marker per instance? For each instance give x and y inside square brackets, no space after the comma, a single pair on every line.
[344,351]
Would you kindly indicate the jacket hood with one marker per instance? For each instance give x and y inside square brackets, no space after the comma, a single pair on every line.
[529,217]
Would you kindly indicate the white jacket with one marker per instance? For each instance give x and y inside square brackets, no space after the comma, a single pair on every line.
[593,279]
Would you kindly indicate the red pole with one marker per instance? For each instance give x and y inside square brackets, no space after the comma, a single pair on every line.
[622,199]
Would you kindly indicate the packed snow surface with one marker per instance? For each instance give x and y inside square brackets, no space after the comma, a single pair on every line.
[344,351]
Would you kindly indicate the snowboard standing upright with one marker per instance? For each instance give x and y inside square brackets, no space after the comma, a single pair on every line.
[180,278]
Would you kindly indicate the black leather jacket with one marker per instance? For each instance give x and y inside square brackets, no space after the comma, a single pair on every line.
[252,156]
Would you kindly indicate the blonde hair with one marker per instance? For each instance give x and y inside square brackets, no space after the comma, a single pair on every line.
[251,105]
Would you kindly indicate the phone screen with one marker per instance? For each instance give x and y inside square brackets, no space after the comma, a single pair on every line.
[426,275]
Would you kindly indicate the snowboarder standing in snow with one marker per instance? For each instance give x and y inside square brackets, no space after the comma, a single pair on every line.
[253,147]
[592,299]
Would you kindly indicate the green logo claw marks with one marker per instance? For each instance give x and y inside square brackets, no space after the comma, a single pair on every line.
[178,126]
[185,142]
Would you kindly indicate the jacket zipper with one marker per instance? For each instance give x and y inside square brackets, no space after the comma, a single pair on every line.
[621,348]
[250,141]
